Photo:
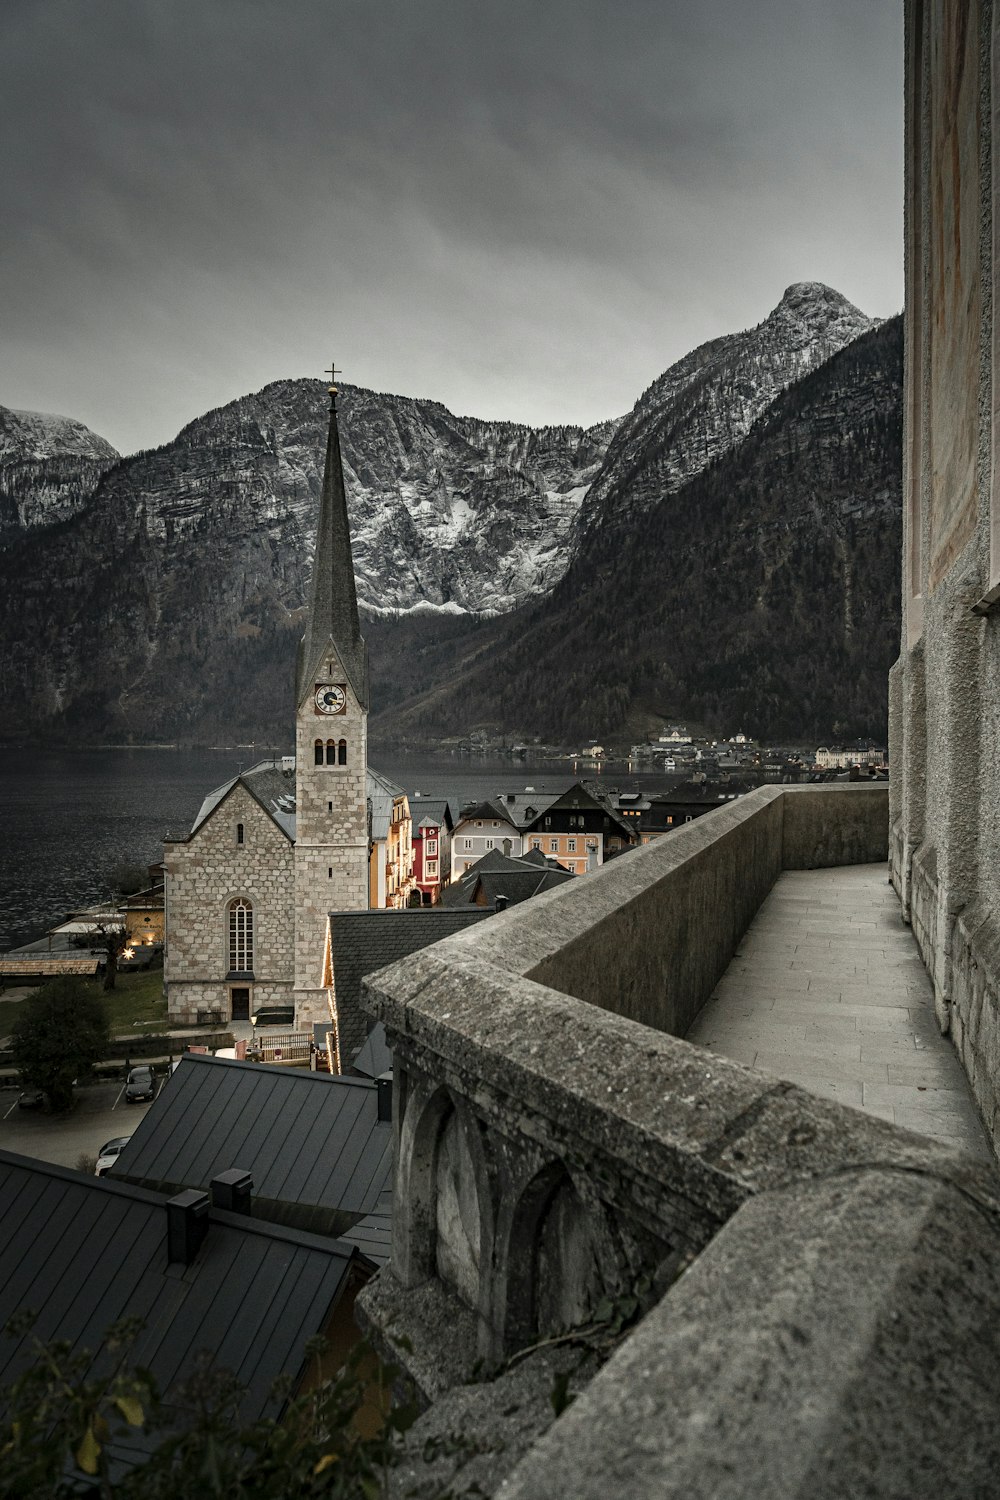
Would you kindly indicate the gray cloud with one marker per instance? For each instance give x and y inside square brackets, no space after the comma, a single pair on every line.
[524,209]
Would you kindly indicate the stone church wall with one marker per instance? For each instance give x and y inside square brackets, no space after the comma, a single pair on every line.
[206,873]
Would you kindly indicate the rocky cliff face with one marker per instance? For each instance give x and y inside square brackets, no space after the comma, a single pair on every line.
[49,468]
[704,405]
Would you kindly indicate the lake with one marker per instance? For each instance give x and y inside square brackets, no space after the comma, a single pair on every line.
[69,818]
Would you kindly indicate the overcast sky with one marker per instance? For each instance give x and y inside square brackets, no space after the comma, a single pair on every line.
[522,208]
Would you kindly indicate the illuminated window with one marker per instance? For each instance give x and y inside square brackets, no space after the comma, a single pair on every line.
[241,936]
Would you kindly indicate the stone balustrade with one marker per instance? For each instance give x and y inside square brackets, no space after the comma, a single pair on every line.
[557,1142]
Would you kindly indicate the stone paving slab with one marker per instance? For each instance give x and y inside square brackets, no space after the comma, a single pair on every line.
[827,990]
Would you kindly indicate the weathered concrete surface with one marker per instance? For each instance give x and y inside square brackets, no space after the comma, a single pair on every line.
[835,1339]
[470,1440]
[827,989]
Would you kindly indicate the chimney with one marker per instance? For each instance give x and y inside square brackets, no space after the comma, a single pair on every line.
[383,1085]
[187,1225]
[501,903]
[232,1190]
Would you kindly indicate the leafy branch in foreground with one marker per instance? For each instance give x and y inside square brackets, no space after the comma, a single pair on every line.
[67,1418]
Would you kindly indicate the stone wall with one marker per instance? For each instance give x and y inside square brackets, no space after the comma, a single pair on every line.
[203,875]
[944,706]
[804,1285]
[331,837]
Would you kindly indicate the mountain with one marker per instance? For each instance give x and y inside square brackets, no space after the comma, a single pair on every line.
[49,468]
[762,595]
[708,401]
[179,586]
[165,600]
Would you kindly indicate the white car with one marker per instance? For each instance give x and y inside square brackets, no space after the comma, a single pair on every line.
[108,1154]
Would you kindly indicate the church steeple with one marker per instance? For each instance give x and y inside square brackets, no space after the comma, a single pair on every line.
[333,605]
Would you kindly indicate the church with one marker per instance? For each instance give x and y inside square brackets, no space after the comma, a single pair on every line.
[274,850]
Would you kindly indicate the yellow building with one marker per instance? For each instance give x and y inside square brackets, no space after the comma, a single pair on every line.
[390,843]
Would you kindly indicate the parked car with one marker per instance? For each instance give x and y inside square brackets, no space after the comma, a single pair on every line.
[108,1154]
[31,1099]
[141,1084]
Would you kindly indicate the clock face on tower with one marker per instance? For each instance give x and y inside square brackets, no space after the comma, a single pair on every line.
[330,698]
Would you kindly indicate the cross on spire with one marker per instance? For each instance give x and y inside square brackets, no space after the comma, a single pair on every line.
[333,372]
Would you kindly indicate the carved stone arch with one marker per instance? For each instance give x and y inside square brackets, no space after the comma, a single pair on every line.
[557,1258]
[444,1180]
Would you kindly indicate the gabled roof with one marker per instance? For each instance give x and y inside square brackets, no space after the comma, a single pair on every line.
[433,810]
[523,807]
[516,886]
[490,809]
[84,1252]
[333,605]
[317,1151]
[496,874]
[581,798]
[268,784]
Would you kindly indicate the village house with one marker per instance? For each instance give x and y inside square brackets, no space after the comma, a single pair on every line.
[484,826]
[579,830]
[432,830]
[390,857]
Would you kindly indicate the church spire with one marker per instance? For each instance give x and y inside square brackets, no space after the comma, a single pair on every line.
[333,605]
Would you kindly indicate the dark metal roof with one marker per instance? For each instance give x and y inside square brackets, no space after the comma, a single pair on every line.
[314,1145]
[83,1252]
[373,1234]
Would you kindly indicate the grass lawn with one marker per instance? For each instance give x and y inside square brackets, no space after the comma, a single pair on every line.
[135,1004]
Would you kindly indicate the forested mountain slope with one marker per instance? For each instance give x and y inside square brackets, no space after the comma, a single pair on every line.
[763,595]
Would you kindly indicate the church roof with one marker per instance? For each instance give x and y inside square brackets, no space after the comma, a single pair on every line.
[333,604]
[269,784]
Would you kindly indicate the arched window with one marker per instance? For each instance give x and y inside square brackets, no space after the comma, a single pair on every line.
[240,834]
[342,753]
[331,752]
[318,753]
[240,936]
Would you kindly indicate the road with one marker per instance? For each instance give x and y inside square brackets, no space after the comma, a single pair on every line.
[100,1114]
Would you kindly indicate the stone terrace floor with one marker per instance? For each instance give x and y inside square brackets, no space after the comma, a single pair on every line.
[827,989]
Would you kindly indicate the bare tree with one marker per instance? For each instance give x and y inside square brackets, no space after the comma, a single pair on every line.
[114,939]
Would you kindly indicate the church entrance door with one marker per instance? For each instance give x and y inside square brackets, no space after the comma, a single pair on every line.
[240,1000]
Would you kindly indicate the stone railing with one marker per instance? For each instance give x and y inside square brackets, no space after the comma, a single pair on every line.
[558,1143]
